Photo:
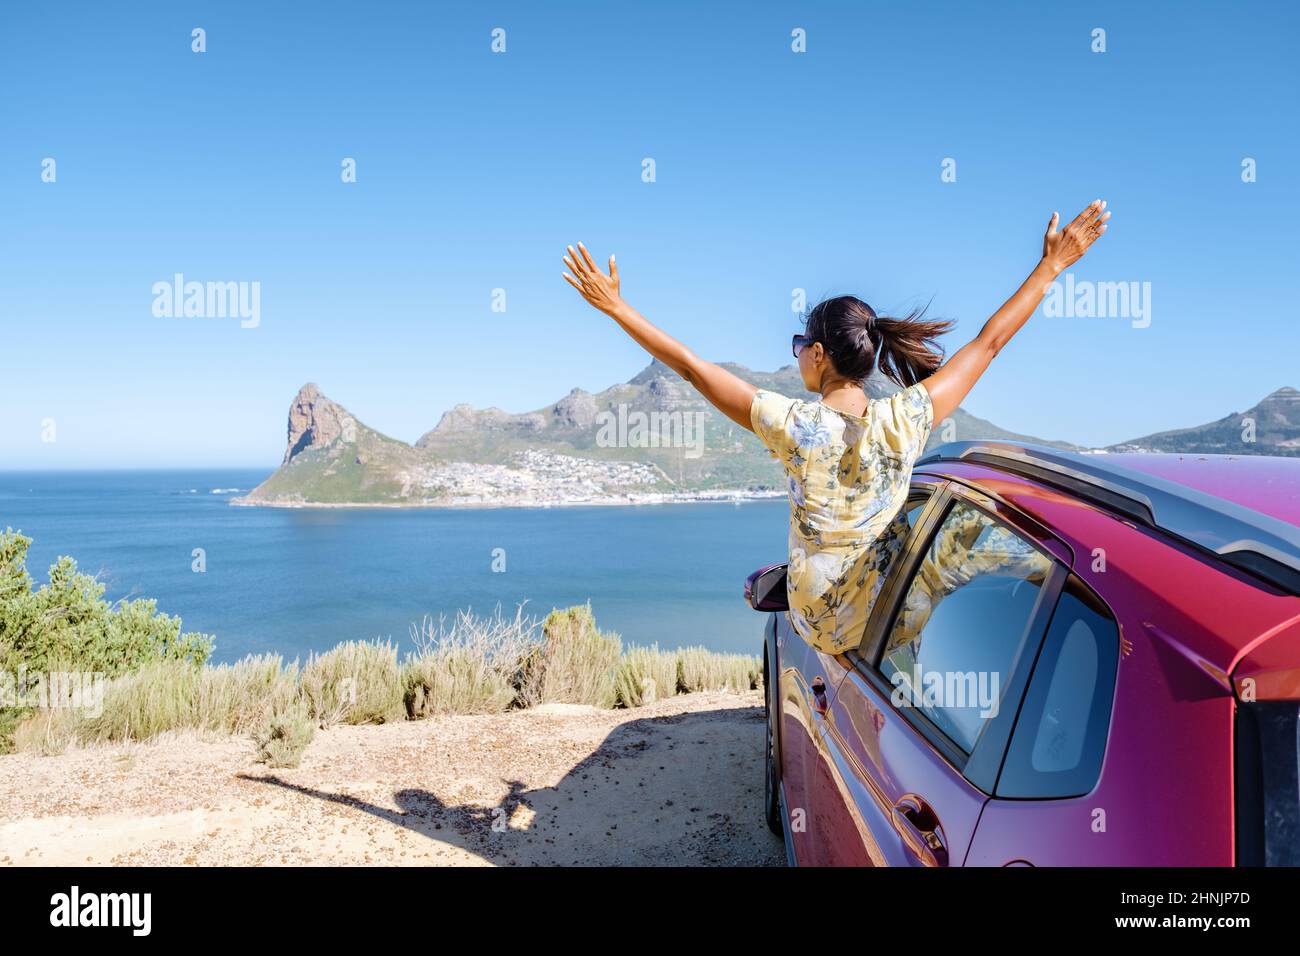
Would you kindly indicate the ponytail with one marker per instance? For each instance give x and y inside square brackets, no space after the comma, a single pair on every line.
[906,350]
[857,340]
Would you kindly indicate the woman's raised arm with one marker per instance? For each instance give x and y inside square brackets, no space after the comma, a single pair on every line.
[951,383]
[726,392]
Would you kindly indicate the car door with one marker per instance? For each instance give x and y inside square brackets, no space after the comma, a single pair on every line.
[916,731]
[807,681]
[823,831]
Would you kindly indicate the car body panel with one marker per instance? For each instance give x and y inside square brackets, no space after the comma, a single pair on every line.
[801,714]
[1269,668]
[1269,485]
[878,761]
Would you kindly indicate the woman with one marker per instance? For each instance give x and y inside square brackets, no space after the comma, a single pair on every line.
[848,459]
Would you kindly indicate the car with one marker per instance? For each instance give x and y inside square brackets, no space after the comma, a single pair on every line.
[1077,659]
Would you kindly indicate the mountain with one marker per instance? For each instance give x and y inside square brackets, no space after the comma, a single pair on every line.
[648,439]
[1275,423]
[331,458]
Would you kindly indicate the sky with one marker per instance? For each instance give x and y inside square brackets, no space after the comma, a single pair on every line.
[828,170]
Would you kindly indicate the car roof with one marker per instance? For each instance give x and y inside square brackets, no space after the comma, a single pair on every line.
[1269,485]
[1214,505]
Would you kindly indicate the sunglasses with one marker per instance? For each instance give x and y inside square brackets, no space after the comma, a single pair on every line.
[798,343]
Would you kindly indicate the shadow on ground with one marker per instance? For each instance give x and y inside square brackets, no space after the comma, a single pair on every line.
[683,790]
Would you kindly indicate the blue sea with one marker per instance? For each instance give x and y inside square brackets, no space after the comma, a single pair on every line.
[296,581]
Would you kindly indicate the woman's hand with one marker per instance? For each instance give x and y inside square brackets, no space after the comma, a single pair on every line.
[949,386]
[598,289]
[728,394]
[1063,249]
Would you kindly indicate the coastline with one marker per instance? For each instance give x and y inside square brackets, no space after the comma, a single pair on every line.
[699,497]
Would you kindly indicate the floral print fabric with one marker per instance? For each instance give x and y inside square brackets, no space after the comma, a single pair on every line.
[848,479]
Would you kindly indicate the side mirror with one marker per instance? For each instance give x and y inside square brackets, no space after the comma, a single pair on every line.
[765,589]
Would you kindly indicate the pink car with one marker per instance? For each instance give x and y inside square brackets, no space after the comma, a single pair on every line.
[1077,660]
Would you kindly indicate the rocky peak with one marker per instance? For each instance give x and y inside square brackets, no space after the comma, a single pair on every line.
[575,410]
[466,419]
[1285,397]
[1279,412]
[655,370]
[315,422]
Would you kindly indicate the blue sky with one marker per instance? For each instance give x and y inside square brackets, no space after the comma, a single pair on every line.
[775,171]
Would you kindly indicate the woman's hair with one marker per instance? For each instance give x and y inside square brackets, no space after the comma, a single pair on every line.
[858,340]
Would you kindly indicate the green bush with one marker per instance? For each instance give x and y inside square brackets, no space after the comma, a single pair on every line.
[284,737]
[65,625]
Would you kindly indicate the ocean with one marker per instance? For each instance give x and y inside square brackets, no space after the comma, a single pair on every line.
[292,581]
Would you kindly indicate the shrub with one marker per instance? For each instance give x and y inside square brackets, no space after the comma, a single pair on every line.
[235,698]
[66,625]
[169,695]
[284,737]
[704,670]
[47,732]
[575,662]
[358,682]
[644,675]
[477,665]
[154,699]
[470,668]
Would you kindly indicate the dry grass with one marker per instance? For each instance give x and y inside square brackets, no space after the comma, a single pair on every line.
[705,670]
[471,667]
[575,662]
[477,665]
[283,739]
[358,682]
[644,675]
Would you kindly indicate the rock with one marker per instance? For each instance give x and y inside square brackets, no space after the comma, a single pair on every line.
[316,422]
[575,410]
[466,419]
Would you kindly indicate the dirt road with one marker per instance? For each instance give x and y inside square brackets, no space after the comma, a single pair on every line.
[677,782]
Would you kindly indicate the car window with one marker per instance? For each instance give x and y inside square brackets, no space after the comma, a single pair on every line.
[916,502]
[1060,736]
[962,622]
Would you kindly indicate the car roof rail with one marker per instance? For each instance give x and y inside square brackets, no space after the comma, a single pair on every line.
[1259,544]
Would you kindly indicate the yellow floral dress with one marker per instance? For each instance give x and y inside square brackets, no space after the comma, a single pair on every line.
[848,479]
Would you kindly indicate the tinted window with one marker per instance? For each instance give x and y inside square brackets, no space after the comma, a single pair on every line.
[963,622]
[1060,736]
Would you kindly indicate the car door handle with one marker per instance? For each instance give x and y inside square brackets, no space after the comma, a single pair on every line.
[919,828]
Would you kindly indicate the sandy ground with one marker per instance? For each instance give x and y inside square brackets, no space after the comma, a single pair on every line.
[677,782]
